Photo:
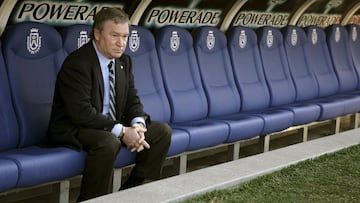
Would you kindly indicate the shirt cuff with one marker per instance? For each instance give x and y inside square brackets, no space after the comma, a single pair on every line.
[117,129]
[138,120]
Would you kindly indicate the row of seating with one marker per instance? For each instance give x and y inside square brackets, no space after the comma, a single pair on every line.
[210,87]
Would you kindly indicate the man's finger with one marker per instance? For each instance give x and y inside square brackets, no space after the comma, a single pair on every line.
[145,144]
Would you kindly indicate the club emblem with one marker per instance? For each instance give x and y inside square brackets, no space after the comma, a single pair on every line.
[314,36]
[210,40]
[354,34]
[269,38]
[337,34]
[174,41]
[83,38]
[294,37]
[33,41]
[134,41]
[242,39]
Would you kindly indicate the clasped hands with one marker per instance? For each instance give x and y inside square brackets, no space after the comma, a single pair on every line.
[134,137]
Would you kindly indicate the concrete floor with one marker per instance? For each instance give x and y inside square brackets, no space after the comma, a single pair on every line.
[213,169]
[229,174]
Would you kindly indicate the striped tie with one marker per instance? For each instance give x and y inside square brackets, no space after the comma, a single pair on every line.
[112,110]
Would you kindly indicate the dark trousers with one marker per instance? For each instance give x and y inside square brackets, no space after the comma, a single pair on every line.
[103,148]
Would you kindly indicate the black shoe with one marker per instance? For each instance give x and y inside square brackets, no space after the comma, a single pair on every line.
[132,182]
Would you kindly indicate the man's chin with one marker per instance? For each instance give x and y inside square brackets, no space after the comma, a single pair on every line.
[117,55]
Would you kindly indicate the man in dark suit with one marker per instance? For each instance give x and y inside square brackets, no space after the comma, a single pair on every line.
[88,114]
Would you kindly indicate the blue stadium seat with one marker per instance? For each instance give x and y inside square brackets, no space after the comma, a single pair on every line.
[8,174]
[319,61]
[354,45]
[188,104]
[280,83]
[338,43]
[338,103]
[297,47]
[33,54]
[149,82]
[249,78]
[210,47]
[307,89]
[9,132]
[295,43]
[9,128]
[337,39]
[74,36]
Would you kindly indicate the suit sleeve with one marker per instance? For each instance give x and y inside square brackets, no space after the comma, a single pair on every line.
[76,80]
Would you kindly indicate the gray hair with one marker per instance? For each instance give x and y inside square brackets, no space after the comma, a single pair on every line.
[115,14]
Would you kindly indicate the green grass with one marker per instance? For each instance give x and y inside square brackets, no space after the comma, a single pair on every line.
[329,178]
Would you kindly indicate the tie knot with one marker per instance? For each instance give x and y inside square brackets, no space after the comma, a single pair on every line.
[110,66]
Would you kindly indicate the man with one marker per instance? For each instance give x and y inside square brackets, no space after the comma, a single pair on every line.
[92,113]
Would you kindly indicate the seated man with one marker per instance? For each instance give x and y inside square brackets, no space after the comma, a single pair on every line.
[96,108]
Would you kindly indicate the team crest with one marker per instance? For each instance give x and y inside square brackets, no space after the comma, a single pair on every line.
[354,34]
[174,41]
[33,41]
[210,40]
[134,41]
[337,34]
[83,38]
[269,38]
[242,39]
[314,36]
[294,37]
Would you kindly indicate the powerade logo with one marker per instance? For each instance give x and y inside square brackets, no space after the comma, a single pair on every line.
[185,17]
[57,13]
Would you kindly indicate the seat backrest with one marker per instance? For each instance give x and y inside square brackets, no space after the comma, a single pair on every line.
[9,134]
[210,47]
[181,74]
[247,68]
[354,45]
[338,43]
[147,75]
[276,66]
[320,62]
[74,36]
[33,55]
[295,43]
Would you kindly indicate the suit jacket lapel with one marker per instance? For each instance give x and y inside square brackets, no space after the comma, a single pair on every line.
[119,83]
[97,72]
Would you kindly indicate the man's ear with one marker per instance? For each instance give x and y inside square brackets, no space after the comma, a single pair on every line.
[96,34]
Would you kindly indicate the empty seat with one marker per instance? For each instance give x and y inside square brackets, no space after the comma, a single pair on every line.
[295,43]
[33,54]
[188,104]
[9,132]
[9,128]
[319,60]
[297,46]
[337,39]
[338,43]
[277,73]
[249,78]
[149,82]
[354,45]
[74,36]
[210,47]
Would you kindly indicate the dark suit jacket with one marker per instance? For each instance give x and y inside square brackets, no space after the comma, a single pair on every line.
[78,97]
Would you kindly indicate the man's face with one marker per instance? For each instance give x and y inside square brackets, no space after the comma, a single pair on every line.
[112,40]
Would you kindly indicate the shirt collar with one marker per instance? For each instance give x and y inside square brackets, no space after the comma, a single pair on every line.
[102,59]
